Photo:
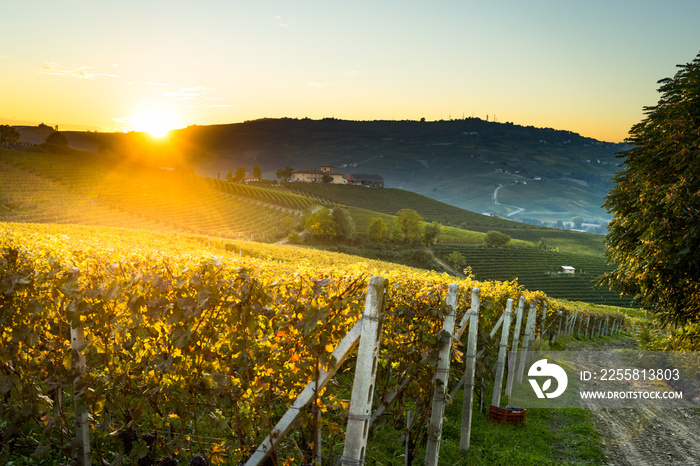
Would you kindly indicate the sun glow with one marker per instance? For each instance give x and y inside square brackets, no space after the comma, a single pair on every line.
[157,122]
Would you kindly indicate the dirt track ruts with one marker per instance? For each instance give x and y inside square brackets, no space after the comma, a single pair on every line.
[634,437]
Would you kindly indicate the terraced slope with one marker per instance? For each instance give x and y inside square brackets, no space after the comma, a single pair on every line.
[537,269]
[87,189]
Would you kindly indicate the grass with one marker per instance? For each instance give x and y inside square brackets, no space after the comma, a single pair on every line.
[547,437]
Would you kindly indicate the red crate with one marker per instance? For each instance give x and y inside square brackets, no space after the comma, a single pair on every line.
[505,416]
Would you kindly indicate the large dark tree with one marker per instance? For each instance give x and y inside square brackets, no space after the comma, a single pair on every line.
[8,135]
[57,138]
[654,237]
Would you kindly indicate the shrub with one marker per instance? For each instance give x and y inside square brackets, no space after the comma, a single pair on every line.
[496,238]
[377,230]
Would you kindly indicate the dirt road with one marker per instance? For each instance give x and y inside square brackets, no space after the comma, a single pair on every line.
[633,437]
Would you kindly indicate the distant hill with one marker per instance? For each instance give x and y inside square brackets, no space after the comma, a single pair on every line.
[518,172]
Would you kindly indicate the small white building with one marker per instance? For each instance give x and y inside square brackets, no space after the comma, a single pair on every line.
[567,269]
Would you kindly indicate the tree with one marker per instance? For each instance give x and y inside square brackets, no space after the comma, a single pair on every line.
[578,222]
[377,230]
[430,233]
[344,224]
[320,224]
[496,238]
[240,174]
[229,176]
[408,222]
[457,258]
[327,178]
[8,135]
[285,174]
[257,171]
[654,235]
[56,138]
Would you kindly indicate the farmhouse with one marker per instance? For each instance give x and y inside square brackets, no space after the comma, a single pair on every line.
[567,269]
[373,181]
[316,176]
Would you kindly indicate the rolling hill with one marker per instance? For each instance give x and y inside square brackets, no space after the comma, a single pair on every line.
[544,175]
[83,188]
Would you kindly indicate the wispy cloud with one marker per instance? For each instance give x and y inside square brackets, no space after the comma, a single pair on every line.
[83,72]
[352,73]
[285,22]
[318,84]
[156,84]
[195,95]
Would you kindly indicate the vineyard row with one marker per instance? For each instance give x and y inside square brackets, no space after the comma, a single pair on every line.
[185,354]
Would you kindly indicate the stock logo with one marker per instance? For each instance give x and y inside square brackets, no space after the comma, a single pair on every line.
[543,369]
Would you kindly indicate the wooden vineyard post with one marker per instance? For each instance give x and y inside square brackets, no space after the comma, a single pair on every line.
[606,328]
[588,321]
[502,349]
[561,317]
[360,410]
[555,333]
[318,441]
[82,427]
[432,450]
[569,322]
[409,423]
[578,327]
[470,360]
[373,305]
[513,355]
[565,322]
[544,320]
[527,338]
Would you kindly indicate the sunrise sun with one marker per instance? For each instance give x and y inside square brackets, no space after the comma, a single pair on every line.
[155,121]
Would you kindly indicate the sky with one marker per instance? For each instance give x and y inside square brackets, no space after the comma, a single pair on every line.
[588,67]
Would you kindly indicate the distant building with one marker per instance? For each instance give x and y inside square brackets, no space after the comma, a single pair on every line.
[373,181]
[316,176]
[567,269]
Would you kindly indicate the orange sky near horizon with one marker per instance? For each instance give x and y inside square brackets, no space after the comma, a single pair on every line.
[585,67]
